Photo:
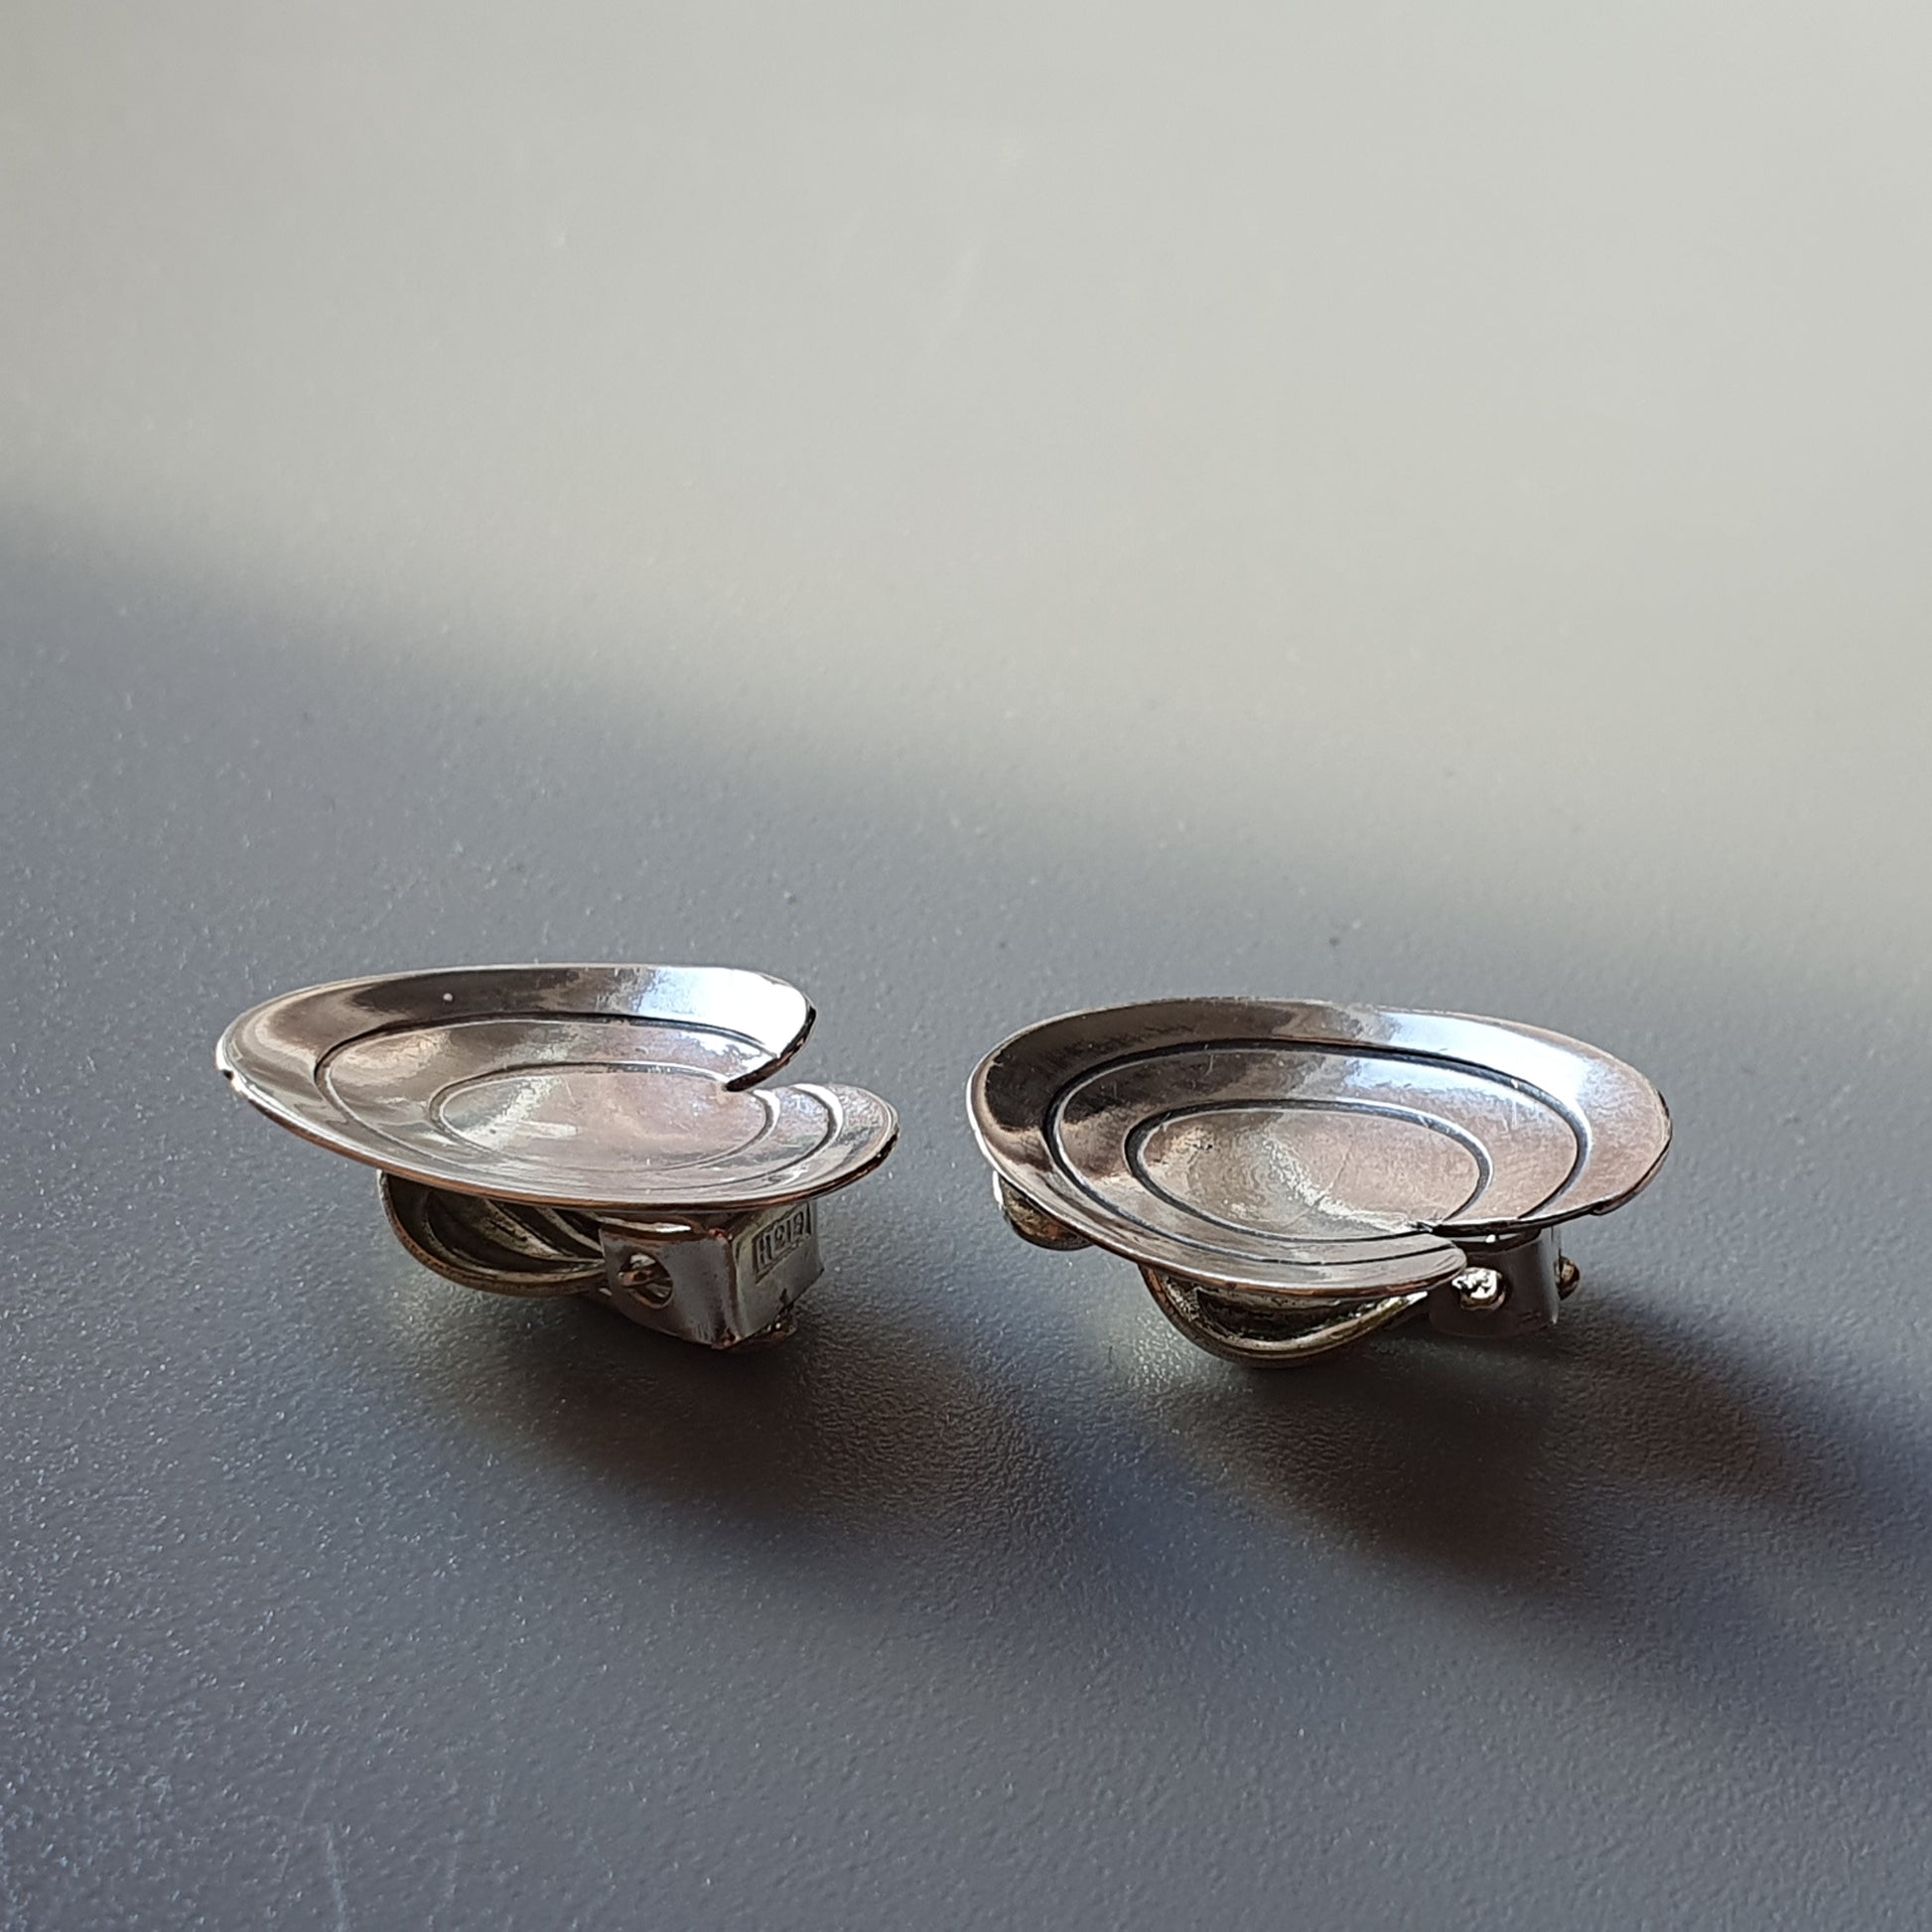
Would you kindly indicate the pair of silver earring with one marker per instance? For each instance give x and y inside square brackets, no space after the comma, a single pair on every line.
[1290,1176]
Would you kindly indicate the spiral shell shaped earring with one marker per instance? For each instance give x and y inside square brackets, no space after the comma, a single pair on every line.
[577,1130]
[1292,1177]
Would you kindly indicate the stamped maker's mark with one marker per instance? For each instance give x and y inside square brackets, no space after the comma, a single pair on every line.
[772,1244]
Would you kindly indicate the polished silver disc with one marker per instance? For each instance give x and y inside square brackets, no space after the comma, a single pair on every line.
[1272,1149]
[573,1087]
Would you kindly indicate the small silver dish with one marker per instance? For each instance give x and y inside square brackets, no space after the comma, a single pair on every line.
[577,1130]
[1291,1175]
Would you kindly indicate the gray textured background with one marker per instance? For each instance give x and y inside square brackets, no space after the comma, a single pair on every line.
[980,511]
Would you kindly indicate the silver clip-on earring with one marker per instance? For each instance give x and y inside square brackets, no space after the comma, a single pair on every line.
[577,1130]
[1291,1177]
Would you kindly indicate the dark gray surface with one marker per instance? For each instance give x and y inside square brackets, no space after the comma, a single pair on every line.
[978,513]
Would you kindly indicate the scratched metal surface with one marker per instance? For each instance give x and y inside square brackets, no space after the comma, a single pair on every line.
[978,511]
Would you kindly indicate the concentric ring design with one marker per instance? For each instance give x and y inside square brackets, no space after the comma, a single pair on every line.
[579,1087]
[1301,1149]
